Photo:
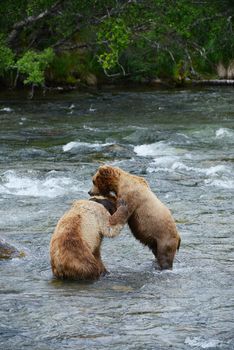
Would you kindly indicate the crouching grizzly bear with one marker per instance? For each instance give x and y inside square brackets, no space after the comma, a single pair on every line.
[76,242]
[149,219]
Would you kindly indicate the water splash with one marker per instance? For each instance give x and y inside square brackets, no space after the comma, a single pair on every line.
[222,183]
[31,184]
[224,132]
[6,109]
[202,343]
[155,149]
[76,144]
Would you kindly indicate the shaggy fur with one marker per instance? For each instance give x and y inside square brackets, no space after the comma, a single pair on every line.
[149,219]
[76,242]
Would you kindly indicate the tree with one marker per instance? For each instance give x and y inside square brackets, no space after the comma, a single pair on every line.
[68,39]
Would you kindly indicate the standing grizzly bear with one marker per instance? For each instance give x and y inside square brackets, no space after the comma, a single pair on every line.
[149,219]
[76,242]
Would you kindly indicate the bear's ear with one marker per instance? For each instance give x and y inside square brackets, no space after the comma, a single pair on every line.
[106,170]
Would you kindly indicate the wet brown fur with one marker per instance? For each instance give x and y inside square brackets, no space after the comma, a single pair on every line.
[149,219]
[76,242]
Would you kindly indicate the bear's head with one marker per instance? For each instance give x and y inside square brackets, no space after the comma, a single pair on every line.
[105,180]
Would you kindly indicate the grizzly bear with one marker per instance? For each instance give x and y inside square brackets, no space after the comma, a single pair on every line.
[76,242]
[149,219]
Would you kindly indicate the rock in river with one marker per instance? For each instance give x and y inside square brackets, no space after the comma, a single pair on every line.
[7,251]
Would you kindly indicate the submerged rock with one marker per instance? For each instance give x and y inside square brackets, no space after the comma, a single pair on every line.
[7,251]
[116,150]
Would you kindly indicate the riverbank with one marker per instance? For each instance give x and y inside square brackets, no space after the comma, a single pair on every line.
[146,84]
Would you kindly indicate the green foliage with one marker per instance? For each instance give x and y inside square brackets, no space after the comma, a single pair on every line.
[35,6]
[33,66]
[197,34]
[70,68]
[113,37]
[141,39]
[6,57]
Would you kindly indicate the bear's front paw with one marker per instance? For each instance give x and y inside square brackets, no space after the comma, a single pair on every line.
[121,215]
[113,221]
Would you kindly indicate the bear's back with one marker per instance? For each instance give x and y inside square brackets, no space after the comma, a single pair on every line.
[93,216]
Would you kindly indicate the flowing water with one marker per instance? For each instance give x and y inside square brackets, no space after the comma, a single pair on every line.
[182,143]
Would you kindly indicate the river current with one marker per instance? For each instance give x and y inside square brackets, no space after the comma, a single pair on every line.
[182,142]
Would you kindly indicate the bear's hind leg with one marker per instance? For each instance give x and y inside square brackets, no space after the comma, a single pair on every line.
[101,266]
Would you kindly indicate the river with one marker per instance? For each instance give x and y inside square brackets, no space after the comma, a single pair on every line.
[182,142]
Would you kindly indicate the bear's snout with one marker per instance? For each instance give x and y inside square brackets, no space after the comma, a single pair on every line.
[94,191]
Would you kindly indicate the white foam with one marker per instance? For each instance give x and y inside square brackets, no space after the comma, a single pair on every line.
[222,183]
[215,170]
[86,127]
[160,148]
[173,163]
[76,144]
[69,146]
[212,171]
[30,185]
[202,343]
[162,164]
[224,132]
[6,109]
[166,161]
[182,166]
[91,109]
